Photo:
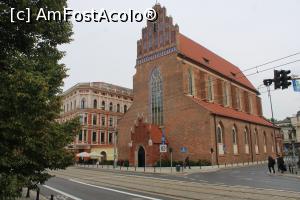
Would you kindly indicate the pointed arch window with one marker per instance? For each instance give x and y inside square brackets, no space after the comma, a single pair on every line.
[191,82]
[210,89]
[219,134]
[246,140]
[234,136]
[156,97]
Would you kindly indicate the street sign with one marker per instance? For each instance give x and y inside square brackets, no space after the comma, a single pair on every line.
[296,85]
[163,148]
[183,149]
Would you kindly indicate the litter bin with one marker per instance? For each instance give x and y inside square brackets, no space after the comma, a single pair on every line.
[178,168]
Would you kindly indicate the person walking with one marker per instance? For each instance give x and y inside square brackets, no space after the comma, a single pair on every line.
[187,162]
[271,163]
[281,165]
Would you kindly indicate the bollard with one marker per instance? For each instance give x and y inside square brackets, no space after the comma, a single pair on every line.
[154,169]
[225,164]
[52,197]
[127,168]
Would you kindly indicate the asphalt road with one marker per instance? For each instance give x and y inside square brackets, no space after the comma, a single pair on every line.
[95,184]
[254,176]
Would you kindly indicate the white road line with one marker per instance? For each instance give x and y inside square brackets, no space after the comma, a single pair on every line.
[61,192]
[114,190]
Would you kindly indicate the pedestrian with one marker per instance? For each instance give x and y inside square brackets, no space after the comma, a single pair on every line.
[281,165]
[187,162]
[271,163]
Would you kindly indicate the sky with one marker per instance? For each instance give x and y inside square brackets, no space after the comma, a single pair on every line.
[247,33]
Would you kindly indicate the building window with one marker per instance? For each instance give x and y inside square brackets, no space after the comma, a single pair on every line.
[125,108]
[234,136]
[103,105]
[102,138]
[82,104]
[110,138]
[85,118]
[95,103]
[74,104]
[110,106]
[94,119]
[85,135]
[156,97]
[111,121]
[234,141]
[191,82]
[118,107]
[246,137]
[238,99]
[219,134]
[256,141]
[225,92]
[94,137]
[250,103]
[265,142]
[80,136]
[71,106]
[103,120]
[67,107]
[210,89]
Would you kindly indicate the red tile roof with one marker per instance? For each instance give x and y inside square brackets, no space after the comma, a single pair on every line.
[198,53]
[232,113]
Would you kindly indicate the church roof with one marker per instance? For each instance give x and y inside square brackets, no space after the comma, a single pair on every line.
[232,113]
[200,54]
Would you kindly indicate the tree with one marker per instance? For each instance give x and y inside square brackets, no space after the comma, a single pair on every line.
[31,77]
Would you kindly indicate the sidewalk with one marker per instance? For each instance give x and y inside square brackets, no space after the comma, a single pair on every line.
[169,170]
[32,195]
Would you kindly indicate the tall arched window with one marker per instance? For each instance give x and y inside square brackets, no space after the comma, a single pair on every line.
[95,103]
[234,136]
[118,107]
[256,141]
[246,140]
[82,103]
[210,89]
[234,140]
[246,137]
[191,82]
[103,105]
[219,134]
[156,97]
[125,108]
[220,138]
[265,142]
[110,106]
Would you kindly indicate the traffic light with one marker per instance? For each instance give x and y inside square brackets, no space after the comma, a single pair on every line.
[285,83]
[277,79]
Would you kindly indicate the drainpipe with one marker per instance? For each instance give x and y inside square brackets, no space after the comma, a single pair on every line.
[251,147]
[216,142]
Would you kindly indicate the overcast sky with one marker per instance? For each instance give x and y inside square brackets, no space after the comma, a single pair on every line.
[246,33]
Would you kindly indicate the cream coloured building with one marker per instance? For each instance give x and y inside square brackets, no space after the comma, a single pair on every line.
[99,106]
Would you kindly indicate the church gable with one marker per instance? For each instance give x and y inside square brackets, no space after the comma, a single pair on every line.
[158,38]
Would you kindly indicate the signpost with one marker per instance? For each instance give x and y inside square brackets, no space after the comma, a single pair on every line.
[162,147]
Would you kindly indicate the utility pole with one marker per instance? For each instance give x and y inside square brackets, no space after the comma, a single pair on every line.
[273,120]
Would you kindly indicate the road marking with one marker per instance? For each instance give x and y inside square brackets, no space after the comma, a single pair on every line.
[61,192]
[114,190]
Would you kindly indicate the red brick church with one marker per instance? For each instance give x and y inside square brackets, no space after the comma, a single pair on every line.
[204,104]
